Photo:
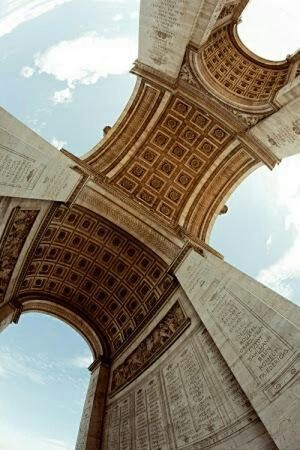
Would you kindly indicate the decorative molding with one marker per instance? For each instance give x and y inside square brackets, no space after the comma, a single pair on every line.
[44,303]
[156,343]
[16,231]
[141,228]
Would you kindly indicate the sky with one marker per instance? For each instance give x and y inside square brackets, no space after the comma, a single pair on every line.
[64,73]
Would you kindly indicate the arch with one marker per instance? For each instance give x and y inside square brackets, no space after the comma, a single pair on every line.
[250,53]
[237,76]
[201,220]
[46,306]
[273,22]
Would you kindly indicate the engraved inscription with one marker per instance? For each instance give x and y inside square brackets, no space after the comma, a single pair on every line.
[125,426]
[141,421]
[167,17]
[28,172]
[195,392]
[197,279]
[193,409]
[237,404]
[114,423]
[19,171]
[157,432]
[148,423]
[263,351]
[285,134]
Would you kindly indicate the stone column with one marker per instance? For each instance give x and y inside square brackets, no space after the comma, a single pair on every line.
[258,333]
[30,167]
[280,132]
[91,425]
[8,313]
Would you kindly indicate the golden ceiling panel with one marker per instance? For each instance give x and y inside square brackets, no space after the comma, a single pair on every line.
[214,192]
[177,154]
[98,269]
[179,149]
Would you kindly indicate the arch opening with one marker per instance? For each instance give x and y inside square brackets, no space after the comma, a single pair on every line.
[262,227]
[269,30]
[43,382]
[72,319]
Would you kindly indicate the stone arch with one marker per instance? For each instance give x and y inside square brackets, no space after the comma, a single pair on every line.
[94,406]
[201,221]
[237,76]
[51,308]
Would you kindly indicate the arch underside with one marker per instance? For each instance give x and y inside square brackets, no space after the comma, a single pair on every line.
[84,266]
[179,149]
[55,308]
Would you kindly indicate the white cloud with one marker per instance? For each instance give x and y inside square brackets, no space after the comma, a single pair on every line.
[15,12]
[15,364]
[18,438]
[117,17]
[88,58]
[58,144]
[62,96]
[270,28]
[109,1]
[82,361]
[27,71]
[269,241]
[134,15]
[281,274]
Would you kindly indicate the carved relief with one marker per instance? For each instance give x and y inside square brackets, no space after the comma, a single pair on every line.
[186,75]
[13,239]
[227,11]
[151,347]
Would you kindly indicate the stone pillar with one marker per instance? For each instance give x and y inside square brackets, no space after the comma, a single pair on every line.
[280,132]
[166,28]
[258,333]
[30,167]
[7,315]
[91,425]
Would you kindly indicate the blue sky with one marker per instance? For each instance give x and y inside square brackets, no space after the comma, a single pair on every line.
[64,72]
[43,380]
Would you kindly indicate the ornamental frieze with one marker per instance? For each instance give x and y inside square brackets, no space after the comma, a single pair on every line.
[17,229]
[160,338]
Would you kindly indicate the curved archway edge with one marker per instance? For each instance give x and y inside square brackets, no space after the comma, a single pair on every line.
[69,317]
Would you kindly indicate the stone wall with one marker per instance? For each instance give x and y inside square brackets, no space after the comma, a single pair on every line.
[187,399]
[257,332]
[30,167]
